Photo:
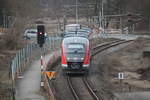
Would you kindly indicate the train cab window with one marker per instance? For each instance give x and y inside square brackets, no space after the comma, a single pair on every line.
[75,48]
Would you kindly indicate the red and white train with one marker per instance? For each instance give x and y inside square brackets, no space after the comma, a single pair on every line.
[75,54]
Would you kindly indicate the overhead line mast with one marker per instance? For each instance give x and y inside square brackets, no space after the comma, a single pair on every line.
[76,11]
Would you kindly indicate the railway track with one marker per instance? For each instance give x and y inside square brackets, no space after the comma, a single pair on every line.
[90,89]
[47,81]
[104,46]
[72,88]
[96,50]
[86,86]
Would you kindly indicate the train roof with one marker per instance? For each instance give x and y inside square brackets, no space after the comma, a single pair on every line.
[75,39]
[76,34]
[73,25]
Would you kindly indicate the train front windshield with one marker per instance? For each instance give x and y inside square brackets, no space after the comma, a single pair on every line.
[75,48]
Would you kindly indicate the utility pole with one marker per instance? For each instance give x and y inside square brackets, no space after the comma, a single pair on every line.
[149,25]
[76,11]
[64,22]
[121,25]
[101,13]
[4,19]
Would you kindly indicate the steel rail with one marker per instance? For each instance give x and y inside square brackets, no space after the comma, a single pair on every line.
[105,44]
[99,48]
[72,88]
[103,47]
[91,91]
[89,88]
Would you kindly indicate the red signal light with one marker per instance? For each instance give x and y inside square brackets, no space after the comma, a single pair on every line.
[40,32]
[40,35]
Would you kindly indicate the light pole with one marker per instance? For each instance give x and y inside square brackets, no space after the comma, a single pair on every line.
[4,19]
[76,11]
[100,25]
[101,14]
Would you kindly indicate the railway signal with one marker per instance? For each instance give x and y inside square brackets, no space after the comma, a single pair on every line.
[40,35]
[120,76]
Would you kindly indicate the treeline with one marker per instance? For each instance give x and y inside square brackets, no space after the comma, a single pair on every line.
[59,8]
[18,8]
[2,10]
[133,6]
[15,15]
[91,7]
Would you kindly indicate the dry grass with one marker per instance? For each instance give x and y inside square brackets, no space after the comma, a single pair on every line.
[10,43]
[130,61]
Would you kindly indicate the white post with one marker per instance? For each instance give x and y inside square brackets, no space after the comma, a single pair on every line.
[13,81]
[41,63]
[149,25]
[42,71]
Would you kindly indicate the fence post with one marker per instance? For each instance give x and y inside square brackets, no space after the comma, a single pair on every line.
[13,79]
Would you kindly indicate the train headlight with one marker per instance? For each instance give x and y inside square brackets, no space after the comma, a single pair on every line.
[68,58]
[85,65]
[82,58]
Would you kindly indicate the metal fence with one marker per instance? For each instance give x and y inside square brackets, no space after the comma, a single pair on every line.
[26,55]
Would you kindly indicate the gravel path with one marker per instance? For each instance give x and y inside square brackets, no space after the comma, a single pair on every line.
[28,88]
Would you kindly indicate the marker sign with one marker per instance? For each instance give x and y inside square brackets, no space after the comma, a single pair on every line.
[51,74]
[120,76]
